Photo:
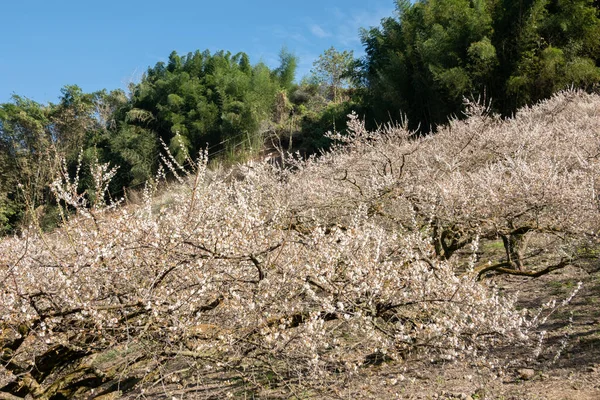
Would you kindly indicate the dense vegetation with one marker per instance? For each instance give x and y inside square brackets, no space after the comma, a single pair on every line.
[435,52]
[132,264]
[293,281]
[420,63]
[218,102]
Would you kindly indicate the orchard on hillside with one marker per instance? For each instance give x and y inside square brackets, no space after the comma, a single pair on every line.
[530,181]
[295,278]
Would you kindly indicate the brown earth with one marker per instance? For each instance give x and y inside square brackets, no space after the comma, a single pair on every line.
[568,366]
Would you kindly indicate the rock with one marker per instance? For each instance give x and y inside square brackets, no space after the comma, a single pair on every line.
[109,396]
[448,395]
[526,373]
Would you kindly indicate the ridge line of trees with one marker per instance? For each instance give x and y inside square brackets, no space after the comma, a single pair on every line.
[433,53]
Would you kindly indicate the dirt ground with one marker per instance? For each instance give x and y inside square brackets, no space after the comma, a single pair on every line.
[567,367]
[567,364]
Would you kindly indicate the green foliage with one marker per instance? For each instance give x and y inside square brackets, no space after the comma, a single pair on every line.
[31,137]
[220,101]
[201,99]
[73,118]
[557,47]
[135,150]
[426,60]
[333,69]
[436,52]
[25,158]
[9,208]
[332,118]
[421,63]
[286,73]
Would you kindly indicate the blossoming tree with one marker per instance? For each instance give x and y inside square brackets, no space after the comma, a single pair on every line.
[297,278]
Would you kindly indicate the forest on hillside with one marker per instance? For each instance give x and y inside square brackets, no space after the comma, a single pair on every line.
[419,64]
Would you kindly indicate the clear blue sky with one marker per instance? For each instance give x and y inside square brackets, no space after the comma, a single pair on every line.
[47,44]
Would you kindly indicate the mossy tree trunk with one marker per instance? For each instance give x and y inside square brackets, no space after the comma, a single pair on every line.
[515,245]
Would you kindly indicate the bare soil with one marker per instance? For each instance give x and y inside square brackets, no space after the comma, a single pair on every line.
[567,367]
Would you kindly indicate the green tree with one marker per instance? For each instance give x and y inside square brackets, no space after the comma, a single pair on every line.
[424,61]
[286,72]
[333,69]
[33,139]
[218,99]
[72,118]
[26,157]
[557,45]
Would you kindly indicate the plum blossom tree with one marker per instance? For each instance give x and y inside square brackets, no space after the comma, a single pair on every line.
[529,181]
[293,278]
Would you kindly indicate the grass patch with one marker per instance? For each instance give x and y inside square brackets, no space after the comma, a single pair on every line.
[560,287]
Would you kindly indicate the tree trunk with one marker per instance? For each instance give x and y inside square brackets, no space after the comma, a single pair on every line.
[515,245]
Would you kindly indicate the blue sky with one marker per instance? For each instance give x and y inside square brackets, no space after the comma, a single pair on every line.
[47,44]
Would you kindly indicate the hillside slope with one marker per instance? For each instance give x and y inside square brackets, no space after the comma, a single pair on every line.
[311,278]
